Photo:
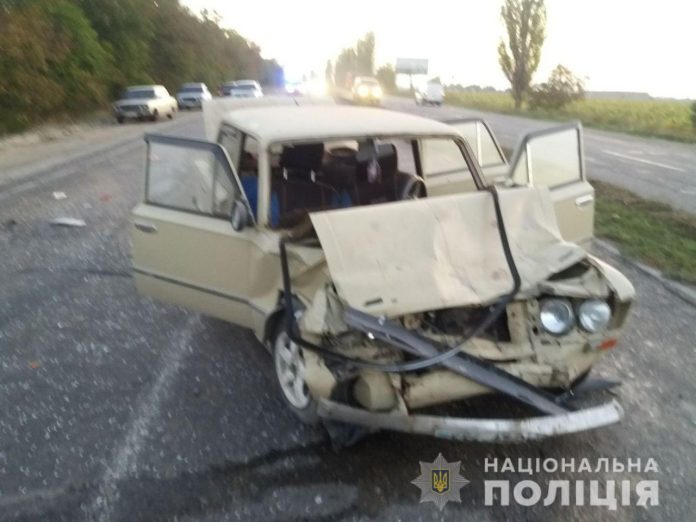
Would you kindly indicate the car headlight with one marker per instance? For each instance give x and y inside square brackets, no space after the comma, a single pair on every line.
[363,90]
[377,92]
[594,315]
[556,316]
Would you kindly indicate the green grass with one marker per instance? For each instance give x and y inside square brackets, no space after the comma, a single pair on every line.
[646,230]
[655,118]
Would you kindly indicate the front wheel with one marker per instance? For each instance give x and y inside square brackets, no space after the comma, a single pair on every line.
[290,371]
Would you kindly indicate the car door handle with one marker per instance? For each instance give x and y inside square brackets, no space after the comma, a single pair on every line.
[148,228]
[583,201]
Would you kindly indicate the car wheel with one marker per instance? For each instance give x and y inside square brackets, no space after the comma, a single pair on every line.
[120,120]
[155,115]
[171,115]
[289,368]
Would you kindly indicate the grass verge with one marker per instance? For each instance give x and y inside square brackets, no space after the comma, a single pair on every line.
[669,119]
[647,230]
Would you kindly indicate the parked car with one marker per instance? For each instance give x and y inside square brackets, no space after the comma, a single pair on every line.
[367,90]
[389,263]
[432,93]
[192,95]
[242,89]
[143,102]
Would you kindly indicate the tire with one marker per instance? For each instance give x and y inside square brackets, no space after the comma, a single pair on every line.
[288,364]
[120,120]
[155,115]
[171,115]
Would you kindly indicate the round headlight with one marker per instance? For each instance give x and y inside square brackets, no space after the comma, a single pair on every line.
[556,316]
[594,315]
[363,90]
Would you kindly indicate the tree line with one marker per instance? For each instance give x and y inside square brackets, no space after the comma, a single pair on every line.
[62,57]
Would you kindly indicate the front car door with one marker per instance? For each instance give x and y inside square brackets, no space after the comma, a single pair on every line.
[553,158]
[185,250]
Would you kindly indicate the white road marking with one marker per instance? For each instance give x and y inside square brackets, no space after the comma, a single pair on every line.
[125,458]
[641,160]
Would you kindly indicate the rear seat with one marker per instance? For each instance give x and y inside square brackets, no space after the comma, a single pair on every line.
[297,185]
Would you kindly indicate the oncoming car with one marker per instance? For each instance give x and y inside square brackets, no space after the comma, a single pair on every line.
[145,102]
[192,95]
[389,263]
[367,90]
[242,89]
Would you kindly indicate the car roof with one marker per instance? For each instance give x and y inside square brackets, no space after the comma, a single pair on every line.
[241,82]
[297,123]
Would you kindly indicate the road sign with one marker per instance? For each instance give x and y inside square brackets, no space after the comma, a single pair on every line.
[411,66]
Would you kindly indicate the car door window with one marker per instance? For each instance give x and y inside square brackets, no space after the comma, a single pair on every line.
[190,175]
[480,138]
[442,156]
[549,159]
[231,140]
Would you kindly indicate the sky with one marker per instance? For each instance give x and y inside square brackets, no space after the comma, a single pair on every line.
[614,45]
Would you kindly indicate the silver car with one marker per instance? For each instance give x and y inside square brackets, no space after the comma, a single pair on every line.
[191,95]
[242,89]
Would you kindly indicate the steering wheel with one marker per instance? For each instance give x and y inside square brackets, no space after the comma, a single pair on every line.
[414,188]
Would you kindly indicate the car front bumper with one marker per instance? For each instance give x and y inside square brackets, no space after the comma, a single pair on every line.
[190,103]
[482,430]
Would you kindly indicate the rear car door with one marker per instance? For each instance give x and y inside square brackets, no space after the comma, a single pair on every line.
[553,158]
[485,146]
[185,250]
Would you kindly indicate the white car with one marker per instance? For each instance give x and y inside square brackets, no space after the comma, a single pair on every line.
[145,102]
[432,94]
[242,89]
[191,95]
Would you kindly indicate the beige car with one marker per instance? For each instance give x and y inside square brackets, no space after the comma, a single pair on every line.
[145,102]
[389,262]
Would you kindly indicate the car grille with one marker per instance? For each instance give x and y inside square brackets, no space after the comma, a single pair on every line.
[130,108]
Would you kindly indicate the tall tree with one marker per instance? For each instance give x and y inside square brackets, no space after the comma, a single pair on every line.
[387,77]
[365,55]
[329,73]
[519,56]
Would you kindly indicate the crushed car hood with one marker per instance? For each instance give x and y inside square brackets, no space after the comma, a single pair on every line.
[428,254]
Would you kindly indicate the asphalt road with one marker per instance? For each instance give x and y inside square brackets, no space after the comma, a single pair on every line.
[653,168]
[117,408]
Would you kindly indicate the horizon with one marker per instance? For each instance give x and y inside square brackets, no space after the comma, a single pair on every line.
[468,56]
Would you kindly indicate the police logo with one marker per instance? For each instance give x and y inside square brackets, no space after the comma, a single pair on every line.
[440,481]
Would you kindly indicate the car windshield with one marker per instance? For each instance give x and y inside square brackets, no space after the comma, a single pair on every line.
[243,87]
[132,94]
[195,89]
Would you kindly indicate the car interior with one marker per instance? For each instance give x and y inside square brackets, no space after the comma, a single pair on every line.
[318,176]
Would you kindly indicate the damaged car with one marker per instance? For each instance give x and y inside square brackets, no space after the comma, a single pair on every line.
[390,263]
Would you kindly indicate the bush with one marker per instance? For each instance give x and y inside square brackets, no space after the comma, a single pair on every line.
[693,115]
[562,88]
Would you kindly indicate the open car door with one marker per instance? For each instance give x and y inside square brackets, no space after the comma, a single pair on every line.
[185,250]
[483,143]
[553,158]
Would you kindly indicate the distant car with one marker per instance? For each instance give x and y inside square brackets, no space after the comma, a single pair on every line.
[432,94]
[242,89]
[191,95]
[367,90]
[145,102]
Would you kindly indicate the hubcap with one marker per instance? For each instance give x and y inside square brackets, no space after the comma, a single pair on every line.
[289,366]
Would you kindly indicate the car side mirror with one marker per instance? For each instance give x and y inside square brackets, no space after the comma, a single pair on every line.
[240,215]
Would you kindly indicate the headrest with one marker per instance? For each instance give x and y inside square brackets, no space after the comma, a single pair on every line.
[387,163]
[302,157]
[339,175]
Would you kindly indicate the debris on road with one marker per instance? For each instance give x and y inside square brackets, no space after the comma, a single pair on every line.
[68,222]
[59,195]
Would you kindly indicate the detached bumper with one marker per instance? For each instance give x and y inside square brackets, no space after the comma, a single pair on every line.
[483,430]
